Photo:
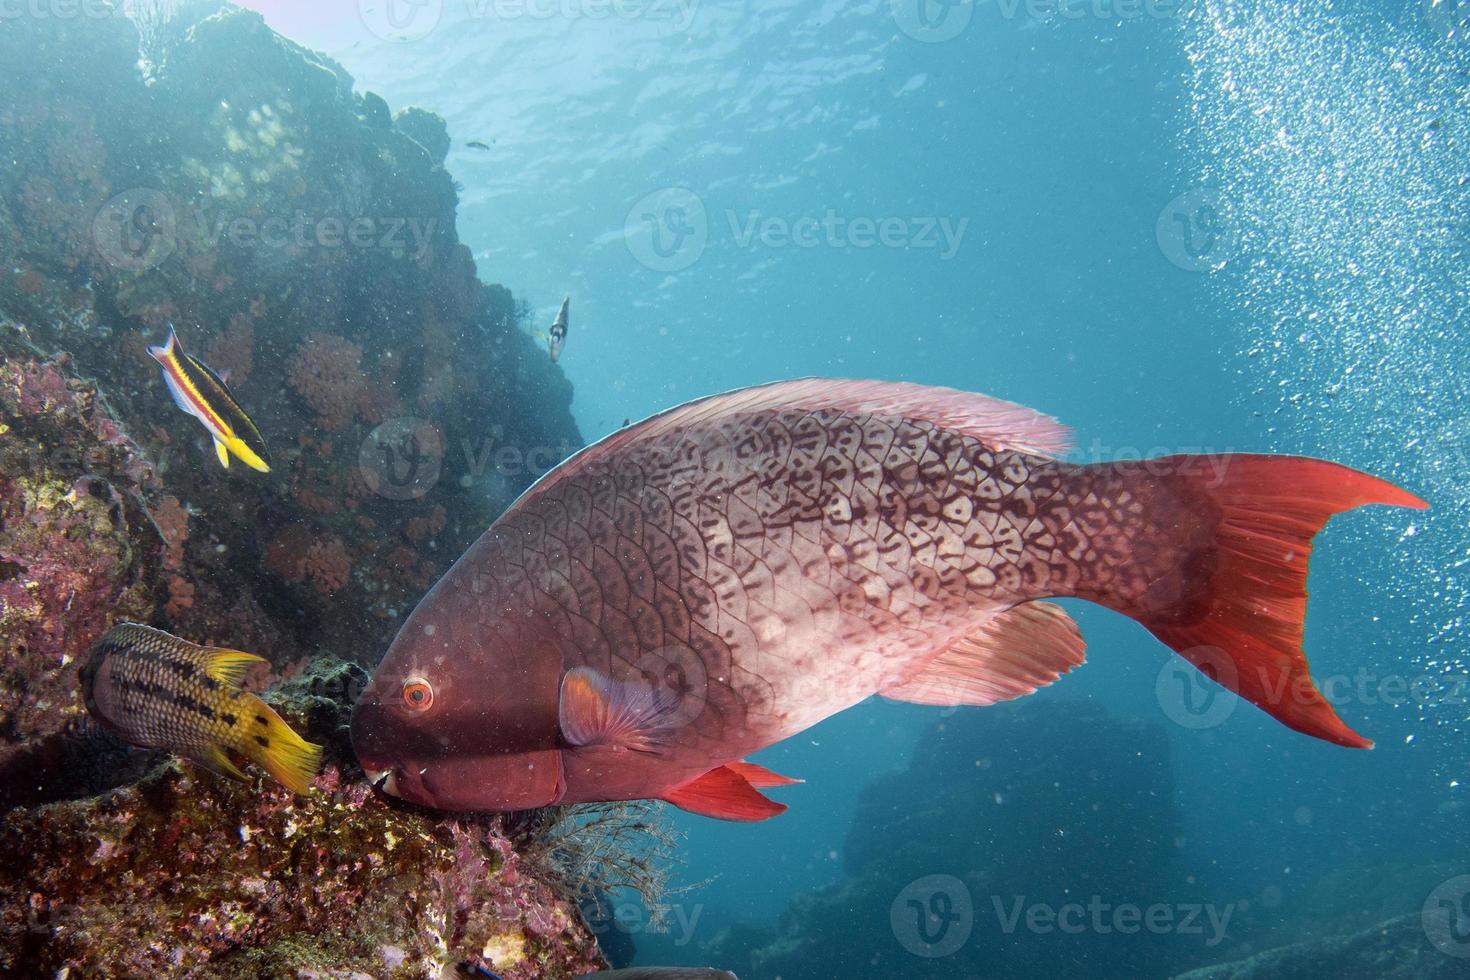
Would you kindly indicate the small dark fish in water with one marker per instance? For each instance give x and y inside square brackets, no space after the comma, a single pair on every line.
[200,392]
[156,691]
[477,145]
[557,338]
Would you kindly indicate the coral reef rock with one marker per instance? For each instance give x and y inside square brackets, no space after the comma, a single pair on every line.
[188,166]
[185,872]
[298,239]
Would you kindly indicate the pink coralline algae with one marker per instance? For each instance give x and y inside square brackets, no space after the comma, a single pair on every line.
[326,371]
[68,567]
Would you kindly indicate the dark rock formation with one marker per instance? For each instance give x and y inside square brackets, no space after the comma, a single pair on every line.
[1399,949]
[1004,810]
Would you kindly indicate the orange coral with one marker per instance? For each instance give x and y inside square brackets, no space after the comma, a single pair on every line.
[173,525]
[419,528]
[234,349]
[286,553]
[328,565]
[326,372]
[180,596]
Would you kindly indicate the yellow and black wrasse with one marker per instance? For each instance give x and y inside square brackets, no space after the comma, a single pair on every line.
[202,393]
[156,691]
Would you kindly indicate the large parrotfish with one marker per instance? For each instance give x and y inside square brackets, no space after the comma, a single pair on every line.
[721,576]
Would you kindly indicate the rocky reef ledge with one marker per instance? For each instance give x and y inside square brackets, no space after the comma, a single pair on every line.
[186,873]
[199,170]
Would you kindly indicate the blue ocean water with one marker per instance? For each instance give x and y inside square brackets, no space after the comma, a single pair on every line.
[1174,226]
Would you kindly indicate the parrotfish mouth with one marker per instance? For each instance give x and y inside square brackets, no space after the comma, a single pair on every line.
[382,780]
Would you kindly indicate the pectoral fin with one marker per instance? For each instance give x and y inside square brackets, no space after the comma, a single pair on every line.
[215,760]
[596,710]
[222,452]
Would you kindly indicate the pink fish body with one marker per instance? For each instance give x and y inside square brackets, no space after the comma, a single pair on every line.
[719,577]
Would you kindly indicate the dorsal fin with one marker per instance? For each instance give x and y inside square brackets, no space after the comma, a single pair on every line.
[1024,648]
[229,666]
[999,424]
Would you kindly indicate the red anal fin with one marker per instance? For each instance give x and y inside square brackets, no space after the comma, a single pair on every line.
[759,776]
[725,794]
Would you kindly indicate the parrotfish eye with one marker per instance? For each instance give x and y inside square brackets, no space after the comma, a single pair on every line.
[418,694]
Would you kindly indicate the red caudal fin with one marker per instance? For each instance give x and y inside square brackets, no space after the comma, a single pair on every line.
[727,794]
[1232,539]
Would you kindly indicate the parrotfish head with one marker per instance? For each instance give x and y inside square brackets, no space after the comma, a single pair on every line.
[461,717]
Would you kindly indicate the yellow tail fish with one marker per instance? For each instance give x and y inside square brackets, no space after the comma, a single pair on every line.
[200,392]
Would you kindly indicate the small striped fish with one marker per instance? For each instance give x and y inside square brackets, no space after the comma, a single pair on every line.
[200,392]
[156,691]
[557,338]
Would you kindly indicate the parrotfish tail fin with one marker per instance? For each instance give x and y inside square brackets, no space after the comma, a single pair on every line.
[1233,603]
[271,744]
